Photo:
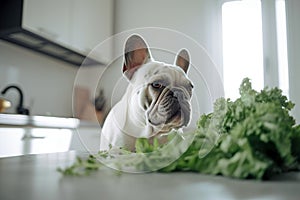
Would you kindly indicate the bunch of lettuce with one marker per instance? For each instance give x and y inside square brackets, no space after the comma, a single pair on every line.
[251,137]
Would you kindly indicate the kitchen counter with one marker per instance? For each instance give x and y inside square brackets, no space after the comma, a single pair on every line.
[33,177]
[37,121]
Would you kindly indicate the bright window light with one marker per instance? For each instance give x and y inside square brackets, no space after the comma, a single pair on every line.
[242,45]
[283,72]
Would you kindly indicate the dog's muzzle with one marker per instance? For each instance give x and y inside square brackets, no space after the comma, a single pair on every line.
[172,107]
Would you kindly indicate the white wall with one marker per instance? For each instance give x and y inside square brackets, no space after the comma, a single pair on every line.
[293,34]
[199,19]
[47,84]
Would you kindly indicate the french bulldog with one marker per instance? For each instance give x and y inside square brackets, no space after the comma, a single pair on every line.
[157,99]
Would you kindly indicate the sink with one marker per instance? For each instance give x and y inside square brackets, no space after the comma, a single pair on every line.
[38,121]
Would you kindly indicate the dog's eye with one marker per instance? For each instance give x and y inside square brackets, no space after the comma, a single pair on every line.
[156,85]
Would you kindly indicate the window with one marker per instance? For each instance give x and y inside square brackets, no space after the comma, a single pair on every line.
[283,73]
[243,53]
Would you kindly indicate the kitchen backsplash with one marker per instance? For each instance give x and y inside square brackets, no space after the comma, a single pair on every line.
[47,84]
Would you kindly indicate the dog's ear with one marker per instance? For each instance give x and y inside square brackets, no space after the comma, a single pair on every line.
[136,53]
[183,60]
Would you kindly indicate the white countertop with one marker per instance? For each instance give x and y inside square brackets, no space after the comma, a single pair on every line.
[33,177]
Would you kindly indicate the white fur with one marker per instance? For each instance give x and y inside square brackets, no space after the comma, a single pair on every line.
[127,120]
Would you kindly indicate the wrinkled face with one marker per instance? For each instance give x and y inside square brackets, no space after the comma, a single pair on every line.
[165,97]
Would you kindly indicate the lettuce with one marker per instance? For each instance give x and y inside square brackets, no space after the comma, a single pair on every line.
[251,137]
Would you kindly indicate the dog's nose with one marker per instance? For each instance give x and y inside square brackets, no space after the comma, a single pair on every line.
[178,94]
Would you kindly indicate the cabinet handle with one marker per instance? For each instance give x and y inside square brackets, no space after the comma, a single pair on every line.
[30,137]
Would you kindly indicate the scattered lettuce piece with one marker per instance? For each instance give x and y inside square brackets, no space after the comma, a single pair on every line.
[81,167]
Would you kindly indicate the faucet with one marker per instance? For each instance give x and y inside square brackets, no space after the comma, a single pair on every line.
[20,109]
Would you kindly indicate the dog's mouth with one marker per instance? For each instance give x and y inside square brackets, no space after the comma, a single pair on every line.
[171,110]
[156,122]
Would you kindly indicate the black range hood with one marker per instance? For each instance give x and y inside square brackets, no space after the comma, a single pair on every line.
[11,30]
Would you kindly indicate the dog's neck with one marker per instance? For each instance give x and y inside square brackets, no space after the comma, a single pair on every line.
[136,124]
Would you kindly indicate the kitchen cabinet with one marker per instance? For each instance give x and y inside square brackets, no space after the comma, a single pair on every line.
[23,134]
[91,24]
[78,24]
[49,19]
[15,141]
[63,29]
[23,140]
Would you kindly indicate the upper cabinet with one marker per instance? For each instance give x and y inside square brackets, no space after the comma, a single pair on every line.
[79,24]
[50,19]
[96,17]
[65,29]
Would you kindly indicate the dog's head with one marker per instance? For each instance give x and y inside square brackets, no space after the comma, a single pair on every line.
[161,92]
